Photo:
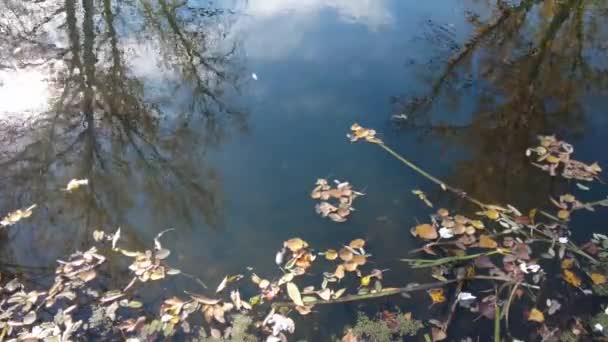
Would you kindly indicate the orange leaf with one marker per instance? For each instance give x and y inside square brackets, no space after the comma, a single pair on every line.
[598,279]
[425,231]
[567,264]
[571,278]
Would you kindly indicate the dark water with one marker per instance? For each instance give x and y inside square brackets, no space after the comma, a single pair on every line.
[156,103]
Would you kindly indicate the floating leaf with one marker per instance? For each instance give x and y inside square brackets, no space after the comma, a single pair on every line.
[295,244]
[571,278]
[339,293]
[75,184]
[567,263]
[357,243]
[294,294]
[485,241]
[598,279]
[17,215]
[222,285]
[563,214]
[203,299]
[536,316]
[345,254]
[29,318]
[492,214]
[425,231]
[325,294]
[437,295]
[331,254]
[366,280]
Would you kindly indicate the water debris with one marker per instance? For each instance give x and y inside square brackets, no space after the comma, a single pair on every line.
[17,215]
[422,196]
[254,76]
[75,184]
[342,196]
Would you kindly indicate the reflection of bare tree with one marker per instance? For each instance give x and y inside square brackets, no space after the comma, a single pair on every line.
[532,64]
[139,137]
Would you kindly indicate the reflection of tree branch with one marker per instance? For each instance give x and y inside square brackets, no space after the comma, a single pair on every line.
[467,48]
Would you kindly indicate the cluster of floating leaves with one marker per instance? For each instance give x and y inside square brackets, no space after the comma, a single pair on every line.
[342,196]
[552,154]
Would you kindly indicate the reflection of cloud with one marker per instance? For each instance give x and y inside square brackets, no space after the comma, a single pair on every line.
[276,28]
[372,13]
[23,92]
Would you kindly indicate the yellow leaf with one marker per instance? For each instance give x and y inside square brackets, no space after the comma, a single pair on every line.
[532,214]
[366,280]
[563,214]
[567,264]
[485,241]
[571,278]
[598,279]
[492,214]
[477,224]
[443,212]
[437,295]
[536,316]
[425,231]
[552,159]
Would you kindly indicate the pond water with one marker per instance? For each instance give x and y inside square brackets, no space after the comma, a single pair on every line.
[216,118]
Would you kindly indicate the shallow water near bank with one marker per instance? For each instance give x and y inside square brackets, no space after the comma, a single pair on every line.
[216,119]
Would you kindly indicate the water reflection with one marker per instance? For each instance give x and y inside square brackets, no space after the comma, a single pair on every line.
[126,94]
[527,69]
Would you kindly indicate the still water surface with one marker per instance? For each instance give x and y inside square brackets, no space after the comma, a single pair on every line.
[215,119]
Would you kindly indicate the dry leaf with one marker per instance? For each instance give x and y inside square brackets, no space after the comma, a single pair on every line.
[324,294]
[598,279]
[331,254]
[345,254]
[425,231]
[294,294]
[75,184]
[485,241]
[536,316]
[295,244]
[563,214]
[437,295]
[222,285]
[571,278]
[357,243]
[492,214]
